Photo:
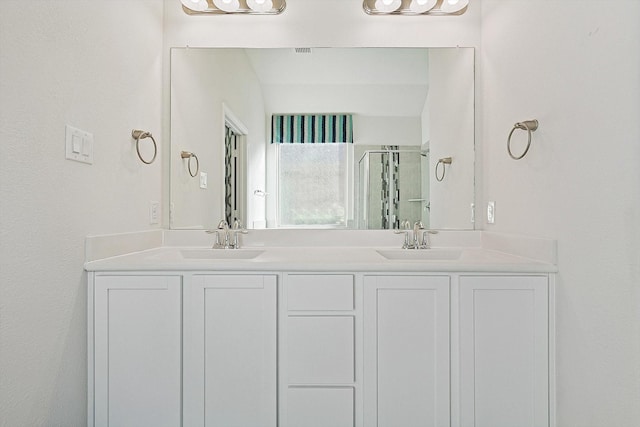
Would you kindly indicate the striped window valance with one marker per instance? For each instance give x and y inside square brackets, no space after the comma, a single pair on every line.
[312,128]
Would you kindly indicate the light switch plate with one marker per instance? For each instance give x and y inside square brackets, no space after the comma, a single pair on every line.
[203,180]
[473,213]
[491,212]
[78,145]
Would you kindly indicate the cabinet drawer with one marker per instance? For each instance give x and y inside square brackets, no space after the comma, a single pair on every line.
[321,407]
[321,350]
[307,292]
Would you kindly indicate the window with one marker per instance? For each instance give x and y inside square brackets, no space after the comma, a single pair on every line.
[312,184]
[313,168]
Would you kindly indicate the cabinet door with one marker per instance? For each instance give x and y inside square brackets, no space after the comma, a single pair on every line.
[504,351]
[137,371]
[406,351]
[230,351]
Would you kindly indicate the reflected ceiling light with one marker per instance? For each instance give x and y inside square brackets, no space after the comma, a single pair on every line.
[415,7]
[225,7]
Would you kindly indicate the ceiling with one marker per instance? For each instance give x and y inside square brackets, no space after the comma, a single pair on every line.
[366,81]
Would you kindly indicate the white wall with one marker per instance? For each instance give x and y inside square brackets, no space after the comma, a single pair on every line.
[575,66]
[96,66]
[202,80]
[371,130]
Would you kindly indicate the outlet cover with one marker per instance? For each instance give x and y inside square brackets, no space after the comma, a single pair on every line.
[154,213]
[491,212]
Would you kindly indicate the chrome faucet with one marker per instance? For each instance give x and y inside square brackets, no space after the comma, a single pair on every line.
[418,238]
[222,241]
[227,237]
[404,229]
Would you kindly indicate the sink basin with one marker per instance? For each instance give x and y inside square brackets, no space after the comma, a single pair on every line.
[420,254]
[227,254]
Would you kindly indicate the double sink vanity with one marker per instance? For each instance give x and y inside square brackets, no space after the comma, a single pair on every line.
[320,328]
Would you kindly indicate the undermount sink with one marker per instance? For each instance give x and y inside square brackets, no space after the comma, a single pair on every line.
[420,254]
[228,254]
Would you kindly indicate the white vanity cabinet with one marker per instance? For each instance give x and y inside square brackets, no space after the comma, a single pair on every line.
[230,350]
[504,350]
[320,349]
[406,350]
[135,350]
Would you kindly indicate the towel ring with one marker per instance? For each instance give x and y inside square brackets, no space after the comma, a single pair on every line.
[141,134]
[444,161]
[529,126]
[189,155]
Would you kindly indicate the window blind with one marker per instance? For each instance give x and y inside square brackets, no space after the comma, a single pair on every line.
[311,128]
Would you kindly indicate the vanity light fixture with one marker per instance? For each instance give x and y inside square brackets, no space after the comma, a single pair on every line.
[197,5]
[388,6]
[260,5]
[422,6]
[225,7]
[415,7]
[454,6]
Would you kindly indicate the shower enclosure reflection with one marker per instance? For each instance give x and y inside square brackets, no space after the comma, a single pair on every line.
[393,186]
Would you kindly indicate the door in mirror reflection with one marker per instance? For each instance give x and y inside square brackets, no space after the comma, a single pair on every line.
[234,182]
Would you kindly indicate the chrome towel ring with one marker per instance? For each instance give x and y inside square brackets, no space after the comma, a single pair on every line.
[141,134]
[529,126]
[444,161]
[189,155]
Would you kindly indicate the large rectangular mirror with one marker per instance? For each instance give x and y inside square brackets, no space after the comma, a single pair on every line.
[407,109]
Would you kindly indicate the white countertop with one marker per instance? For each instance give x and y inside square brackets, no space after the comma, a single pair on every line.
[327,258]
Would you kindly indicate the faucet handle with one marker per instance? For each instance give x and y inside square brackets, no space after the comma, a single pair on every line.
[426,242]
[217,244]
[405,245]
[223,225]
[235,231]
